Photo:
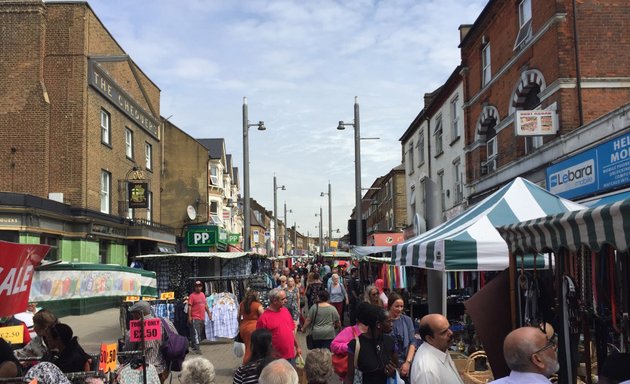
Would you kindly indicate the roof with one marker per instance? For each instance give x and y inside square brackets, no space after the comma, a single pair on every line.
[595,227]
[470,241]
[215,147]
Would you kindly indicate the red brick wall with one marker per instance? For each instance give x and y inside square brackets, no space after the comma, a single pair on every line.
[604,53]
[24,112]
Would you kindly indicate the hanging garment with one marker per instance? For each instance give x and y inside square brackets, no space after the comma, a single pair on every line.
[225,315]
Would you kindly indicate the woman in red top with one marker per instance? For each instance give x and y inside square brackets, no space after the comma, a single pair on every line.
[249,311]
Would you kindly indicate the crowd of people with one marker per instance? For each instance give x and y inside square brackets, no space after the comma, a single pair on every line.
[379,345]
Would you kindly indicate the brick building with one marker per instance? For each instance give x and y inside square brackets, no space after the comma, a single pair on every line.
[78,120]
[536,56]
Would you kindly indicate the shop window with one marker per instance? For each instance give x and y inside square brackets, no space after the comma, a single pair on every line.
[53,241]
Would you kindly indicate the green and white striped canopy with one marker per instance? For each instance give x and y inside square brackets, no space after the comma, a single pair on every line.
[470,241]
[606,224]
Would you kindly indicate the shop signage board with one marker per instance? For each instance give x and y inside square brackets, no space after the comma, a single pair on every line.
[599,169]
[138,194]
[234,238]
[13,335]
[167,295]
[536,123]
[202,236]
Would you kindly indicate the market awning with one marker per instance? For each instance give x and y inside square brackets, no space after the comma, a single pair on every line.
[470,242]
[385,260]
[221,255]
[606,224]
[337,255]
[606,199]
[364,251]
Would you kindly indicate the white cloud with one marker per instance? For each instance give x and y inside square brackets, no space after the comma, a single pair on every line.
[300,63]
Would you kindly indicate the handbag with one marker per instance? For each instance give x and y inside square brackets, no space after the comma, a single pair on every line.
[358,375]
[310,343]
[340,362]
[238,348]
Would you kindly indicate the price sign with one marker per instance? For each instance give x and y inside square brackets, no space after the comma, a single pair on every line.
[107,361]
[167,295]
[13,335]
[152,330]
[132,298]
[148,298]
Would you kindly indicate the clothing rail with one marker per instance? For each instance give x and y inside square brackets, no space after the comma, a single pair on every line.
[233,277]
[71,376]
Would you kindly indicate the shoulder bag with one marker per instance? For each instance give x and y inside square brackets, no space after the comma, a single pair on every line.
[310,343]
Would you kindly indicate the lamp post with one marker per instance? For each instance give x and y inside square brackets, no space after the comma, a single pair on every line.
[321,229]
[275,215]
[357,166]
[329,212]
[295,246]
[246,203]
[286,223]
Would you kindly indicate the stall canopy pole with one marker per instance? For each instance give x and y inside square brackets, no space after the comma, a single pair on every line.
[512,288]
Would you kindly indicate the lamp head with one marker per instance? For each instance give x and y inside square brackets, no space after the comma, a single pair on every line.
[341,126]
[321,194]
[283,188]
[261,126]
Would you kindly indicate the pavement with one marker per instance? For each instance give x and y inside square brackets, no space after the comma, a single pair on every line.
[104,327]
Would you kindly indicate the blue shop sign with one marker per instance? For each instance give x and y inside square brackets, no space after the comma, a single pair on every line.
[598,169]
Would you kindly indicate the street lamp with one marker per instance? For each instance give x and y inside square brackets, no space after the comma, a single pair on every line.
[275,215]
[286,223]
[329,211]
[246,205]
[321,229]
[357,166]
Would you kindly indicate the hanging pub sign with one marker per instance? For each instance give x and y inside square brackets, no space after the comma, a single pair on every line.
[138,194]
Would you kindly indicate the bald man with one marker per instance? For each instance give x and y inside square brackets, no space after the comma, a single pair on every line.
[432,363]
[531,355]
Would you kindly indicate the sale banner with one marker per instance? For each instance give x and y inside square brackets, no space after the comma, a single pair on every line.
[109,353]
[17,264]
[152,330]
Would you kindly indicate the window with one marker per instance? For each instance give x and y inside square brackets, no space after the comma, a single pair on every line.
[532,143]
[214,175]
[455,118]
[486,74]
[105,127]
[214,213]
[148,152]
[130,213]
[391,189]
[420,146]
[458,185]
[129,143]
[438,136]
[53,253]
[410,157]
[106,179]
[150,207]
[524,23]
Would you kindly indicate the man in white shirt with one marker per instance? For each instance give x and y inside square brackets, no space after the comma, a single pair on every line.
[531,355]
[432,363]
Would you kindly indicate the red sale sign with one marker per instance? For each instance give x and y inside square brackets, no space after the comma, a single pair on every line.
[17,264]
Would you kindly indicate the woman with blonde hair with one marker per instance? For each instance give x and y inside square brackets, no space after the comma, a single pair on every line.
[372,296]
[248,312]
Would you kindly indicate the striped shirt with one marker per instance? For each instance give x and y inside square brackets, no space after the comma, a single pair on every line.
[248,373]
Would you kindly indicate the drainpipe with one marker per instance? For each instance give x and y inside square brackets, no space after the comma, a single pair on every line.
[576,44]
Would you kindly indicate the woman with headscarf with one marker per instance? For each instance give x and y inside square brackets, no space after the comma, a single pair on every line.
[380,284]
[248,312]
[46,373]
[373,350]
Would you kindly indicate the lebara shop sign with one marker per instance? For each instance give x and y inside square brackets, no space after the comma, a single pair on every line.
[598,169]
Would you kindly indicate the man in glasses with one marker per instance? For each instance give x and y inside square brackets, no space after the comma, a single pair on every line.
[531,355]
[278,320]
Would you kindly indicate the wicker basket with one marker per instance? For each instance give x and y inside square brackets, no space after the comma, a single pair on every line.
[472,376]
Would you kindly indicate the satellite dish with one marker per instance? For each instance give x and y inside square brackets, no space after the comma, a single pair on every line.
[191,212]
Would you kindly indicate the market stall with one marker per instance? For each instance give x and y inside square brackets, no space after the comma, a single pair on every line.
[592,277]
[469,243]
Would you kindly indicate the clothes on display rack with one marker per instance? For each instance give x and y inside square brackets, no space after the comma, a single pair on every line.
[224,323]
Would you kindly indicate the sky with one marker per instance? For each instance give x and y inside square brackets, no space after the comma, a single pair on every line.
[300,63]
